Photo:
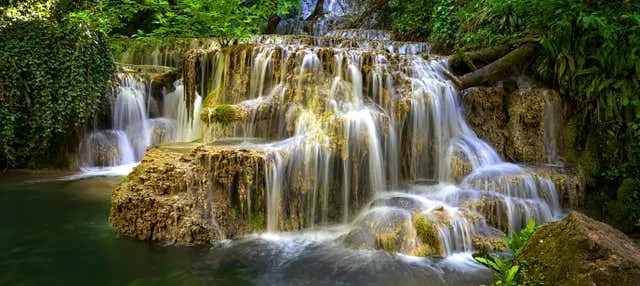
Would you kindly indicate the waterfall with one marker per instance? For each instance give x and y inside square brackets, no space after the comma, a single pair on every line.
[132,128]
[350,129]
[368,134]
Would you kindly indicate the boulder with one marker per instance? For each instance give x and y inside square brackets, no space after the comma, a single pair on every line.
[580,251]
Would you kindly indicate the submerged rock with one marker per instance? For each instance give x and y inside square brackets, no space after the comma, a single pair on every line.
[581,251]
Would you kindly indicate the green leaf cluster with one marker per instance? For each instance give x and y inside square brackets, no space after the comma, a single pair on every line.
[225,20]
[53,78]
[507,269]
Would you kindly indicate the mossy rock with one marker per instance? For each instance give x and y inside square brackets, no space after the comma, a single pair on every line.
[427,232]
[223,114]
[580,251]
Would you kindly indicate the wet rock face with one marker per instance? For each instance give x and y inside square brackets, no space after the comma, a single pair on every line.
[193,197]
[485,113]
[523,126]
[396,230]
[526,127]
[159,79]
[570,183]
[581,251]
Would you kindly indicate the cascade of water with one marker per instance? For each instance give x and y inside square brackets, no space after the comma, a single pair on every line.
[342,122]
[175,108]
[552,119]
[132,129]
[348,121]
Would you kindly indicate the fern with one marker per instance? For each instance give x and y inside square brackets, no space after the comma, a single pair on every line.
[506,270]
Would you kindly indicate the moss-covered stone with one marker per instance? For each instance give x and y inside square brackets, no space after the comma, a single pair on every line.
[487,244]
[428,235]
[224,114]
[580,251]
[526,127]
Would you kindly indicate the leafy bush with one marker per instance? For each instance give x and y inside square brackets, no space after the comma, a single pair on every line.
[507,270]
[222,19]
[53,78]
[624,210]
[410,18]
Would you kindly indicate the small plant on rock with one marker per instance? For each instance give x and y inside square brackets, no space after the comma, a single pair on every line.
[506,269]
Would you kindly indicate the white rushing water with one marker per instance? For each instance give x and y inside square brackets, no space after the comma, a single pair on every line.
[114,152]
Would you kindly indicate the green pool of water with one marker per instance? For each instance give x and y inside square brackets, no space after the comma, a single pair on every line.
[57,233]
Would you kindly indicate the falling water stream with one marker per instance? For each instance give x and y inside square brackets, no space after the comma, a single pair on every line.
[117,150]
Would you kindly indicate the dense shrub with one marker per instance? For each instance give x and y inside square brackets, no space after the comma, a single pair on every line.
[53,77]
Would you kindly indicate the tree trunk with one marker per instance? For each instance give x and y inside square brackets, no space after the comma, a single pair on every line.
[463,62]
[372,9]
[317,12]
[272,25]
[513,62]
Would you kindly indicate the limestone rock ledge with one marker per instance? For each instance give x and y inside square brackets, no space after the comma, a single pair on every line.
[523,126]
[191,196]
[580,251]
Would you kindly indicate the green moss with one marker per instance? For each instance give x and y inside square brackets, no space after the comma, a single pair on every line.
[224,114]
[133,176]
[427,233]
[387,241]
[588,160]
[256,223]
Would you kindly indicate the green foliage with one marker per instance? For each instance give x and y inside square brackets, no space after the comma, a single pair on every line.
[410,18]
[444,23]
[24,10]
[222,19]
[515,241]
[53,77]
[507,270]
[624,211]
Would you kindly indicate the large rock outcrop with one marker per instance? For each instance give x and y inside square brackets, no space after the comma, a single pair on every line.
[180,195]
[581,251]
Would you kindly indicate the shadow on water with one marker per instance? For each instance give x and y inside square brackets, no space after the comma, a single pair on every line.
[57,232]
